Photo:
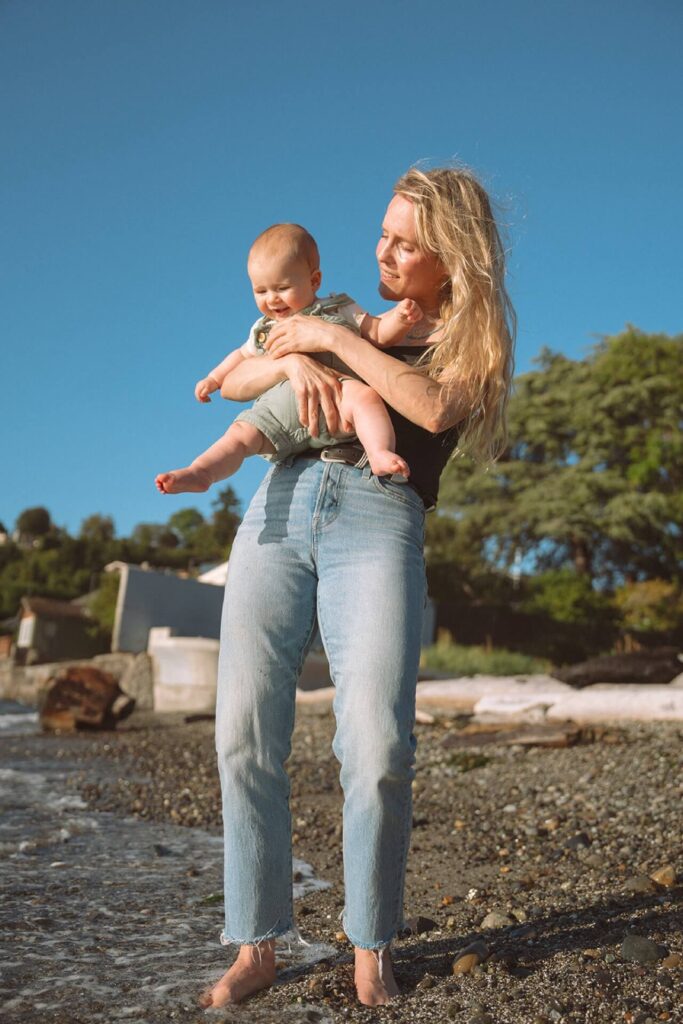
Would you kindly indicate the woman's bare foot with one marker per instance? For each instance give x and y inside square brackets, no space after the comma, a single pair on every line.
[252,971]
[181,480]
[384,463]
[373,990]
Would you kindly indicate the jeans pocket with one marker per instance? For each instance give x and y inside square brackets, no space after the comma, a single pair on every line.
[403,494]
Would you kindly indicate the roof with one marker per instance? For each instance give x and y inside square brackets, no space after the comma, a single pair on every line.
[51,608]
[218,575]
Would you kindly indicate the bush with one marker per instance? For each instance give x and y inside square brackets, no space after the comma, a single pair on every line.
[445,656]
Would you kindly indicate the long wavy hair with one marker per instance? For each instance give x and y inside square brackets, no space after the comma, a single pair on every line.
[474,353]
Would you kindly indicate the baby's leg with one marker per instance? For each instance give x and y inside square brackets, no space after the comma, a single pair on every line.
[219,461]
[363,407]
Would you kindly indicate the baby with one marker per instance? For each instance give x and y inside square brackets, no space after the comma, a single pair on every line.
[284,269]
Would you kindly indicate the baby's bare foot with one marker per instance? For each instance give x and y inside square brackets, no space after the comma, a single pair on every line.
[373,990]
[252,971]
[181,480]
[384,463]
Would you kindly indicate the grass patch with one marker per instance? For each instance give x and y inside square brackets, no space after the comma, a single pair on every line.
[459,660]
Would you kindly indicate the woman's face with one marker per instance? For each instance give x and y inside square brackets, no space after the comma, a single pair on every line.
[405,270]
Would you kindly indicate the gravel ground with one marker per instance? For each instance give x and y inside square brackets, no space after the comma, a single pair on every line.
[544,855]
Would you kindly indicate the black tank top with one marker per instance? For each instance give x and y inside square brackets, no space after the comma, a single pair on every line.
[425,453]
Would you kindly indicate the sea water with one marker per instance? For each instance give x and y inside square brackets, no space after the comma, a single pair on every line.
[109,917]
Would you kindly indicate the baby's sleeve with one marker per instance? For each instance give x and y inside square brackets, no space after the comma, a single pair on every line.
[251,347]
[353,314]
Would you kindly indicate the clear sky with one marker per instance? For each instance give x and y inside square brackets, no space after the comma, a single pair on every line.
[146,142]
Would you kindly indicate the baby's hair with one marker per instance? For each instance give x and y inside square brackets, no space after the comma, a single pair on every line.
[455,221]
[290,240]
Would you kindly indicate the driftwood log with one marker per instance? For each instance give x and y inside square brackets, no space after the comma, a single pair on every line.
[82,697]
[659,665]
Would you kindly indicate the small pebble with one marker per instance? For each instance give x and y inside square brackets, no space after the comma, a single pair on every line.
[642,950]
[665,876]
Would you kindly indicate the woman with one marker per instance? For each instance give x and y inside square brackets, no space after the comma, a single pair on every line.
[327,541]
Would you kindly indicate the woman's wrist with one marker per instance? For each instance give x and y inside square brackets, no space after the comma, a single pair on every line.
[343,342]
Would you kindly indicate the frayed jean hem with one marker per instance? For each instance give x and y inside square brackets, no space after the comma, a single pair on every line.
[290,933]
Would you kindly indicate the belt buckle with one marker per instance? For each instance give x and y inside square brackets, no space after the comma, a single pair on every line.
[347,454]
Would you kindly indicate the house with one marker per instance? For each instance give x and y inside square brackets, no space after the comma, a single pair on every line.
[52,630]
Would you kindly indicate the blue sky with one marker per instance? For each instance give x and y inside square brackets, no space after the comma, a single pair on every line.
[147,142]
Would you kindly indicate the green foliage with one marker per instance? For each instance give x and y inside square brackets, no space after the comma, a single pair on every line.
[650,606]
[34,522]
[593,476]
[102,603]
[97,529]
[226,516]
[460,660]
[54,564]
[567,596]
[185,523]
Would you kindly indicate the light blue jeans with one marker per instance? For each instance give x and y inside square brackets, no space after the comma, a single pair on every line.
[330,542]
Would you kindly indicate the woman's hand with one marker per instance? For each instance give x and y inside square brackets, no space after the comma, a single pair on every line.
[301,334]
[316,387]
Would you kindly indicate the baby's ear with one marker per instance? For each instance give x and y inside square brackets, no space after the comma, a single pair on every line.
[316,278]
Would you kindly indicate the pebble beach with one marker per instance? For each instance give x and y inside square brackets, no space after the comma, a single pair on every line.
[544,884]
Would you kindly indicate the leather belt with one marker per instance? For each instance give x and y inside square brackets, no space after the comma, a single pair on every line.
[350,454]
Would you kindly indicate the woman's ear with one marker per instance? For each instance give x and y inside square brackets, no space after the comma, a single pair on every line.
[316,278]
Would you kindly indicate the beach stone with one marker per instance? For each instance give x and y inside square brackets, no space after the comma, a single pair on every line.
[427,982]
[419,925]
[665,876]
[580,841]
[495,919]
[639,883]
[470,957]
[642,950]
[673,960]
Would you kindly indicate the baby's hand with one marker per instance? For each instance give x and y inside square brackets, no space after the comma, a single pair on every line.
[205,387]
[408,312]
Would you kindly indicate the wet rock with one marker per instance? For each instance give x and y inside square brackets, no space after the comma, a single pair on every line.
[163,851]
[642,950]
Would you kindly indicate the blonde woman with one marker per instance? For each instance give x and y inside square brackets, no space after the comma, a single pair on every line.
[325,540]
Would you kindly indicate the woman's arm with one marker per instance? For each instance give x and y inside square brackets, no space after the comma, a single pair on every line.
[315,386]
[406,389]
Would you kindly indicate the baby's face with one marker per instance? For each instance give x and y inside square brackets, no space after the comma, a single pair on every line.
[282,285]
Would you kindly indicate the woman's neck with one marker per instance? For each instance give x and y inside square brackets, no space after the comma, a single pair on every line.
[424,329]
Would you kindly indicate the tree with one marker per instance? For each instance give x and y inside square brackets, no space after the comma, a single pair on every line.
[97,528]
[593,476]
[33,523]
[185,523]
[226,517]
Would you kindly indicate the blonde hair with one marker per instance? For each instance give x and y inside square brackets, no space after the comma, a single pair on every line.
[474,353]
[290,240]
